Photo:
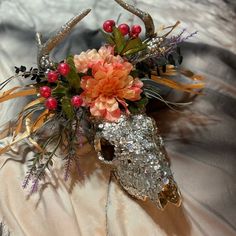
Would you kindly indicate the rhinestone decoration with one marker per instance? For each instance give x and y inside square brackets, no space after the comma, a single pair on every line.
[45,63]
[139,158]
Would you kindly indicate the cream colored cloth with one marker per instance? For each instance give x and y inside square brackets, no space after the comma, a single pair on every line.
[93,205]
[200,141]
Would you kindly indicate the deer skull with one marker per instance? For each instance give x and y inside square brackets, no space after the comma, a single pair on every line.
[134,148]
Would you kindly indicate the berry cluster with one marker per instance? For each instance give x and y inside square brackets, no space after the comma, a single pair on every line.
[133,32]
[45,91]
[62,69]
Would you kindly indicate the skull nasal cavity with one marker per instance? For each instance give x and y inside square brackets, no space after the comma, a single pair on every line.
[107,150]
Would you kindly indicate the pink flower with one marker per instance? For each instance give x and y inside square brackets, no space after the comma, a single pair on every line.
[105,107]
[85,60]
[105,55]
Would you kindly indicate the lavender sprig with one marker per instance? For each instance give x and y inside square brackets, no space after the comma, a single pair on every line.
[34,187]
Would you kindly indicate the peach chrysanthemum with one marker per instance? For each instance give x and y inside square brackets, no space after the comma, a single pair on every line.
[109,85]
[87,59]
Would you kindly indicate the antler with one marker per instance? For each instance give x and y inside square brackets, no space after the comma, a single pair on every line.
[145,17]
[44,61]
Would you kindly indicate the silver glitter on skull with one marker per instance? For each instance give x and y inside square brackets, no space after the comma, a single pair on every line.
[134,148]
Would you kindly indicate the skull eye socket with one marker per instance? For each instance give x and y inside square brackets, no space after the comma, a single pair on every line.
[107,150]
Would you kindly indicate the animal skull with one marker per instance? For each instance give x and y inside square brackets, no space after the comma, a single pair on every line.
[134,148]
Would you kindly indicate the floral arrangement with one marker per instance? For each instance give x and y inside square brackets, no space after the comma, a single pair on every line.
[117,79]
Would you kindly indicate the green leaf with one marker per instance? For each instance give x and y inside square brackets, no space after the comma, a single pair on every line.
[134,73]
[171,60]
[131,44]
[59,90]
[180,59]
[138,106]
[119,40]
[109,38]
[73,78]
[134,110]
[141,104]
[67,107]
[135,50]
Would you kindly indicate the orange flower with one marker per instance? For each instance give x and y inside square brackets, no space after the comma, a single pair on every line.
[109,85]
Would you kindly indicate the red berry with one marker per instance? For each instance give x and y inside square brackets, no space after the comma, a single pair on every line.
[76,101]
[124,29]
[136,29]
[45,91]
[63,69]
[108,25]
[51,103]
[52,76]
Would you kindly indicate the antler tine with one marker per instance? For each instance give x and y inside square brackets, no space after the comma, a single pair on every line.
[46,48]
[144,16]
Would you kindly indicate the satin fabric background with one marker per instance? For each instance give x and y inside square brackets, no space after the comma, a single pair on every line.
[200,140]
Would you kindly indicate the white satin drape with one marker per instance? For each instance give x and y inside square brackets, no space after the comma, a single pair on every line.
[200,141]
